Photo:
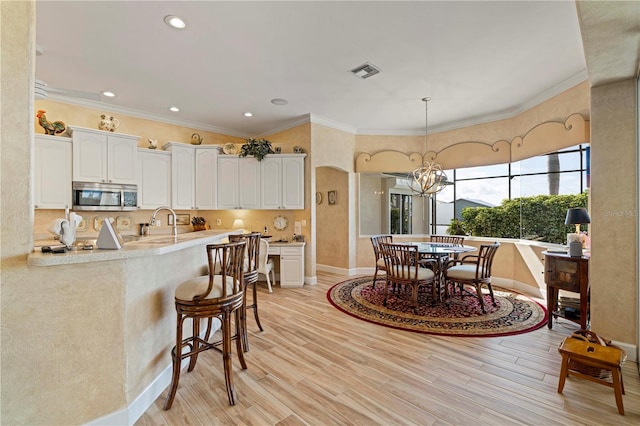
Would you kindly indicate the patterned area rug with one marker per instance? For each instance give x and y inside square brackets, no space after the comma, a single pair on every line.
[514,313]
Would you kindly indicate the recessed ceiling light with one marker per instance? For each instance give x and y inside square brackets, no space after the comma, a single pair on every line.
[279,101]
[174,109]
[174,21]
[108,94]
[248,114]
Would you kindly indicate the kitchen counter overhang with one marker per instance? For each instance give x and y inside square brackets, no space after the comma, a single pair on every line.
[143,247]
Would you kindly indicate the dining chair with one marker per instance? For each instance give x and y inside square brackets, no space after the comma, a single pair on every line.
[250,278]
[211,296]
[473,270]
[376,240]
[265,264]
[446,239]
[450,239]
[404,269]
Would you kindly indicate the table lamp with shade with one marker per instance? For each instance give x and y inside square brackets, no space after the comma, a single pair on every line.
[576,216]
[238,224]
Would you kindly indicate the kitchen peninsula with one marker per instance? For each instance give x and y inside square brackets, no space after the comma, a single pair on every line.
[119,306]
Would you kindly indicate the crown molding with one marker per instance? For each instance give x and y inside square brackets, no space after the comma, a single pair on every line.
[145,115]
[316,119]
[487,118]
[294,122]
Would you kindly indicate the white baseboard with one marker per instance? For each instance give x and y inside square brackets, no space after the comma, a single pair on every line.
[336,270]
[518,286]
[129,415]
[366,271]
[630,349]
[311,280]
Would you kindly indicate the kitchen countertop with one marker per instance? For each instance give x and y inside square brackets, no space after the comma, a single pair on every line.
[286,243]
[145,246]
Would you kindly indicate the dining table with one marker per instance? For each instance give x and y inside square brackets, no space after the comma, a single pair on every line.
[440,252]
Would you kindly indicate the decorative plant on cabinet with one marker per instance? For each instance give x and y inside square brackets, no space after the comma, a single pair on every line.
[257,148]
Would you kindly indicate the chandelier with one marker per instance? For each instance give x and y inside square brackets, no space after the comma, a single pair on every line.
[429,178]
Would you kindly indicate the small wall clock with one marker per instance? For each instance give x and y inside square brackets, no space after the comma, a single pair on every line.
[280,223]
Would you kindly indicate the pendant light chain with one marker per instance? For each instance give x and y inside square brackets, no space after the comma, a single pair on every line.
[429,178]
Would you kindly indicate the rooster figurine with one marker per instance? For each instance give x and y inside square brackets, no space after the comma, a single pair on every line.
[55,128]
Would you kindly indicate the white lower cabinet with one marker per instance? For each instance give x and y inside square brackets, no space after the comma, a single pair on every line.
[291,263]
[154,184]
[52,172]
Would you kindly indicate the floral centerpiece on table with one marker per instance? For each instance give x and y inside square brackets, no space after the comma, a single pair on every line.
[258,148]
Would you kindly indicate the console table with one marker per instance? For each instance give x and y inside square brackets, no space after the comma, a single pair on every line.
[568,273]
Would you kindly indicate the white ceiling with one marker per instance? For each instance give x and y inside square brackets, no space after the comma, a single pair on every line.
[477,60]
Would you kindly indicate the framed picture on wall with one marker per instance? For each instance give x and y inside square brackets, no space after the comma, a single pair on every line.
[181,219]
[332,197]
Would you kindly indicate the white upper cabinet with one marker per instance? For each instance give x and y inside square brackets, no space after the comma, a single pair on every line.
[182,176]
[52,172]
[105,157]
[154,185]
[271,183]
[228,193]
[249,183]
[282,182]
[194,176]
[206,176]
[238,183]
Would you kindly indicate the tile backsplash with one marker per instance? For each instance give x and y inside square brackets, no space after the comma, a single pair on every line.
[127,222]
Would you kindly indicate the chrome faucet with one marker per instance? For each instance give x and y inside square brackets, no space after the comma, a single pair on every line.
[152,222]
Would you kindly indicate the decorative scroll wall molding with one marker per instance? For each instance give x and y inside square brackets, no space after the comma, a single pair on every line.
[541,139]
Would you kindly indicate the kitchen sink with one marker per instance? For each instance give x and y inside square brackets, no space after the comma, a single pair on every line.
[131,238]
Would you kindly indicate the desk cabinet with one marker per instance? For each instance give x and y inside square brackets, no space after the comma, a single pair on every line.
[564,272]
[291,263]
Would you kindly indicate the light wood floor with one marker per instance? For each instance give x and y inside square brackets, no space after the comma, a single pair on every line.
[314,365]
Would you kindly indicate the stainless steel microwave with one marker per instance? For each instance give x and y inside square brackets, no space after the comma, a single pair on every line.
[104,196]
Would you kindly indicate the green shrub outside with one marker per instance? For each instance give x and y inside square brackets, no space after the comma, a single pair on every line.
[539,218]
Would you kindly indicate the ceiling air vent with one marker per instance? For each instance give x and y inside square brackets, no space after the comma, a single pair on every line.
[365,70]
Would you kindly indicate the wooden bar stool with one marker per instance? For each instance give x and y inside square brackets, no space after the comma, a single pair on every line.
[593,361]
[217,295]
[250,276]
